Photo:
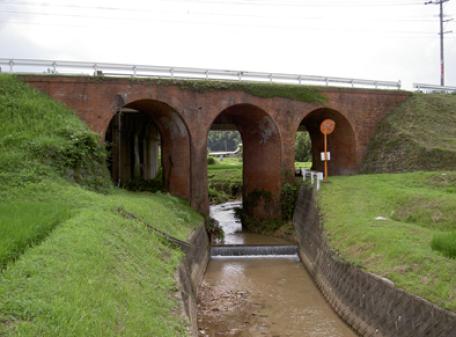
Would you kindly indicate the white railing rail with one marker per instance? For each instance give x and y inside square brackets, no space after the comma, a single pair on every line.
[30,66]
[430,88]
[316,177]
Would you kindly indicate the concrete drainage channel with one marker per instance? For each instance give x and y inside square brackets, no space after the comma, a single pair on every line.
[257,286]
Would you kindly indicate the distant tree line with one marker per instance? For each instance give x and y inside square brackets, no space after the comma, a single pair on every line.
[223,140]
[230,140]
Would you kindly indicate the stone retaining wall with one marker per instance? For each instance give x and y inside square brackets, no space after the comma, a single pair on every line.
[372,305]
[190,274]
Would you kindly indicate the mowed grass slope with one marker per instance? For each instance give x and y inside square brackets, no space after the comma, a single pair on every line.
[70,263]
[386,224]
[418,135]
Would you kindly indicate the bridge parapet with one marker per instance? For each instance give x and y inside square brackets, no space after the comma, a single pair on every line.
[53,67]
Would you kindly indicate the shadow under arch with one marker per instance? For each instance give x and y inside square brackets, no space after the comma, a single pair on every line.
[341,143]
[261,158]
[133,133]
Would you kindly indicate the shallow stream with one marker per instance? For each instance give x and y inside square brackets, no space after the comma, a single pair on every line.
[261,296]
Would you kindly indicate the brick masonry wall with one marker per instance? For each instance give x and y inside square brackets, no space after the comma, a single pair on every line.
[372,305]
[357,112]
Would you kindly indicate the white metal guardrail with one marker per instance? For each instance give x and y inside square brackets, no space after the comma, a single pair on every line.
[429,88]
[30,66]
[316,177]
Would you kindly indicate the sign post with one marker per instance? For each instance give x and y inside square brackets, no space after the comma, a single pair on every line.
[327,127]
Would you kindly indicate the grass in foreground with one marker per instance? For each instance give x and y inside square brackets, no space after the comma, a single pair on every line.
[387,224]
[70,263]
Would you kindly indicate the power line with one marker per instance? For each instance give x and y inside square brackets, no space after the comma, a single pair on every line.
[224,14]
[442,36]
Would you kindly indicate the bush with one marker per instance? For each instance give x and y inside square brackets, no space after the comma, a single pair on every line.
[211,161]
[288,199]
[445,243]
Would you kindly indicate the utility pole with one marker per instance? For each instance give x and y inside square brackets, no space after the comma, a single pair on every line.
[442,37]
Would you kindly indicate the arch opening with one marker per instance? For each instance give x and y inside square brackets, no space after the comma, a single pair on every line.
[341,143]
[261,159]
[149,148]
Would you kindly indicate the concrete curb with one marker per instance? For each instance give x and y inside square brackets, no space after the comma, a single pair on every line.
[190,274]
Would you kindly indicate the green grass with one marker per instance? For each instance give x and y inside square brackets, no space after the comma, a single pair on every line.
[70,263]
[265,90]
[417,212]
[24,223]
[445,243]
[418,135]
[225,180]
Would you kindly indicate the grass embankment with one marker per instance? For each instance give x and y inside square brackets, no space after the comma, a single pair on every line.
[295,92]
[71,264]
[389,224]
[224,179]
[418,135]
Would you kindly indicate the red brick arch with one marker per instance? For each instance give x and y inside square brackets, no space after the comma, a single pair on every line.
[175,142]
[341,143]
[357,112]
[261,157]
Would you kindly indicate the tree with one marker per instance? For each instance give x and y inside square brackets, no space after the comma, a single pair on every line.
[303,147]
[223,140]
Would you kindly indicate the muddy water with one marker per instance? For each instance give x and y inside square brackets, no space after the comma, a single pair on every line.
[250,297]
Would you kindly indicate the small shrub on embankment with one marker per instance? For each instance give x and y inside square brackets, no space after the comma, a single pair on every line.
[70,263]
[397,226]
[418,135]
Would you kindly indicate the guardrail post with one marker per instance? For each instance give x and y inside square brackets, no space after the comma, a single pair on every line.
[299,79]
[270,78]
[327,81]
[399,85]
[207,74]
[54,67]
[134,71]
[171,71]
[95,69]
[11,64]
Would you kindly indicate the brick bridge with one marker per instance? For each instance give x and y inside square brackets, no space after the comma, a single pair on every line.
[182,118]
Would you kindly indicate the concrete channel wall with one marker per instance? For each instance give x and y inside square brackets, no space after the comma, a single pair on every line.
[190,274]
[372,305]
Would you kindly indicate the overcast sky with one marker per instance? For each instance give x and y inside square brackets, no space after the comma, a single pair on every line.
[372,39]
